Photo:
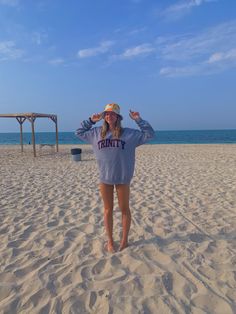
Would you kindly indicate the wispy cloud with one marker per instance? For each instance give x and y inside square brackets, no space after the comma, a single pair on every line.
[180,71]
[181,8]
[9,51]
[56,61]
[207,52]
[11,3]
[192,46]
[189,70]
[92,52]
[137,31]
[223,56]
[133,52]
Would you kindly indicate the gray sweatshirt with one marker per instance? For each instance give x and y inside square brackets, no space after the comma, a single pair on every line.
[115,157]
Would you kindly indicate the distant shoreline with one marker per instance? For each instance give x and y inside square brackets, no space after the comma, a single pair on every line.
[227,136]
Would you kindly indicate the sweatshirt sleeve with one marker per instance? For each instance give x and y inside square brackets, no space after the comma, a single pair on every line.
[86,132]
[146,132]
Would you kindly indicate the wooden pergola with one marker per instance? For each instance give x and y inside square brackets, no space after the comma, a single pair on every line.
[31,117]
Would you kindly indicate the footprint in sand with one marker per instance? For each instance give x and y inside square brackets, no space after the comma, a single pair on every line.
[167,280]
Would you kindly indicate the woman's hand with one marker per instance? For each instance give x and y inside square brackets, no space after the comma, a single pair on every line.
[134,115]
[96,117]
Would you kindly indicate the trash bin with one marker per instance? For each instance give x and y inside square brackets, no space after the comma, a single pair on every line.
[76,154]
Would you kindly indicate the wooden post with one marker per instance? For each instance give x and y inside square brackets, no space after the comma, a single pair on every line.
[21,137]
[56,134]
[54,119]
[21,121]
[33,135]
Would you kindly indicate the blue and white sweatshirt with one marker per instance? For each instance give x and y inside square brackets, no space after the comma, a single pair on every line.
[115,157]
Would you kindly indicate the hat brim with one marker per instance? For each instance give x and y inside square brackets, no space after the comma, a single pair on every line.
[103,114]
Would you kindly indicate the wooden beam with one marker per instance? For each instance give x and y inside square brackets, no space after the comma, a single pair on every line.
[27,114]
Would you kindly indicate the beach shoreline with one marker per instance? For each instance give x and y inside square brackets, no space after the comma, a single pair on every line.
[182,249]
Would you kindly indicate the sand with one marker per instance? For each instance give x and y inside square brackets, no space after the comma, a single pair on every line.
[182,253]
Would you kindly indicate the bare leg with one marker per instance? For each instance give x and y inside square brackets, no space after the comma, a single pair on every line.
[123,192]
[108,197]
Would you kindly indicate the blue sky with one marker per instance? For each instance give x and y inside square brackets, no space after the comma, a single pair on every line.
[173,61]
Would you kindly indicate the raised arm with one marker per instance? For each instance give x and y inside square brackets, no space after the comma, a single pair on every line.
[146,131]
[86,132]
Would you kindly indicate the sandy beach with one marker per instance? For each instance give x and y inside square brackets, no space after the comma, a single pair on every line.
[182,252]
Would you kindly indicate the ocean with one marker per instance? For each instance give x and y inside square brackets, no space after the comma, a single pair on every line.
[162,137]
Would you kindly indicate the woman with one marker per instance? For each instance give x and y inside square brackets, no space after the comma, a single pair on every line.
[114,148]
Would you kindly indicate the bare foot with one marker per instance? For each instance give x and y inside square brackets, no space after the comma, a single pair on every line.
[109,247]
[123,246]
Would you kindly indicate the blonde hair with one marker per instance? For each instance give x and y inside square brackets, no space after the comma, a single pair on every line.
[116,133]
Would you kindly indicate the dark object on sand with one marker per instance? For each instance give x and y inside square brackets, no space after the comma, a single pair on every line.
[76,154]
